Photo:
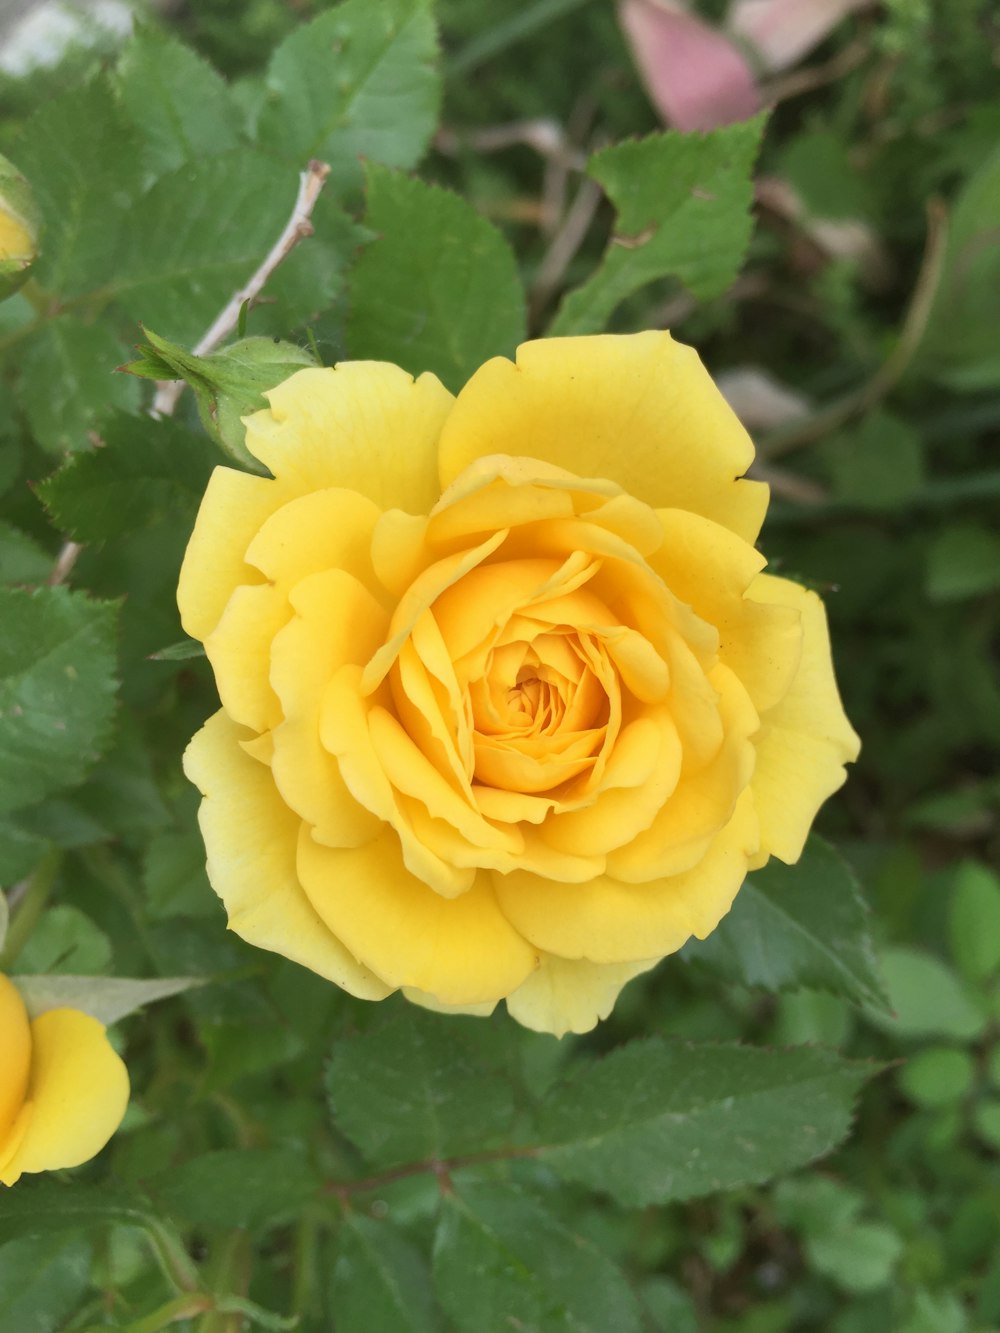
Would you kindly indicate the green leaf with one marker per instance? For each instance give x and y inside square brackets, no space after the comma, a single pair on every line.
[57,688]
[380,1280]
[879,465]
[177,102]
[174,876]
[68,386]
[683,203]
[501,1260]
[43,1207]
[82,158]
[797,926]
[147,471]
[197,236]
[42,1279]
[974,921]
[938,1076]
[238,1187]
[815,1205]
[438,289]
[961,346]
[414,1088]
[963,561]
[860,1258]
[927,998]
[357,82]
[108,999]
[65,940]
[658,1120]
[22,558]
[986,1118]
[184,651]
[937,1312]
[20,851]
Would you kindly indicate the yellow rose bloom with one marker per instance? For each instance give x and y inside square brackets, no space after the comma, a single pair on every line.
[63,1089]
[508,708]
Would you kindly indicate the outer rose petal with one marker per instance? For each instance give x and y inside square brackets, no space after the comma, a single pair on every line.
[250,836]
[610,922]
[234,506]
[571,995]
[15,1043]
[77,1094]
[460,950]
[806,739]
[364,425]
[640,410]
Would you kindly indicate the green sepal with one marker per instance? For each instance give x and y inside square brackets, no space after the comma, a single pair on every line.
[227,385]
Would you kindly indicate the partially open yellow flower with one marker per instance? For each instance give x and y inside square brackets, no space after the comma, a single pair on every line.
[508,708]
[63,1089]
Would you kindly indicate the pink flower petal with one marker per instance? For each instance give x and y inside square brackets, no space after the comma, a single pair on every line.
[695,76]
[782,31]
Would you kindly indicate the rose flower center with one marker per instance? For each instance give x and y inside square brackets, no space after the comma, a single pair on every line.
[541,708]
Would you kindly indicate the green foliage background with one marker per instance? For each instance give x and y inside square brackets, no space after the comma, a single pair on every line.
[293,1155]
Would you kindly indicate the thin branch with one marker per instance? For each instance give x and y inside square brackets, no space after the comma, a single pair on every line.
[835,414]
[65,560]
[545,136]
[168,392]
[806,80]
[565,244]
[789,485]
[439,1167]
[296,229]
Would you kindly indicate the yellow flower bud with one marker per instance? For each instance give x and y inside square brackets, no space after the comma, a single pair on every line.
[18,228]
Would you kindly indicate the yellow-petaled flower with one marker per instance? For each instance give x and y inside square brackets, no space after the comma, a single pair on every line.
[508,707]
[63,1089]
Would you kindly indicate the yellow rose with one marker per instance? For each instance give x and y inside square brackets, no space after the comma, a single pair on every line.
[508,709]
[63,1089]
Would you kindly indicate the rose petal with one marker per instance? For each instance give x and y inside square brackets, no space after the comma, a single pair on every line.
[365,425]
[411,773]
[711,569]
[607,921]
[234,507]
[250,836]
[696,78]
[431,707]
[640,777]
[782,31]
[571,994]
[336,620]
[345,732]
[461,950]
[15,1042]
[77,1093]
[702,802]
[640,410]
[419,597]
[239,650]
[327,529]
[805,739]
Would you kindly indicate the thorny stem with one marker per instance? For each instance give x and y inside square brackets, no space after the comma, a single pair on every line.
[296,229]
[27,899]
[168,393]
[809,429]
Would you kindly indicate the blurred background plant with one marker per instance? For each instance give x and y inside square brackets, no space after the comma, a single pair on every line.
[859,345]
